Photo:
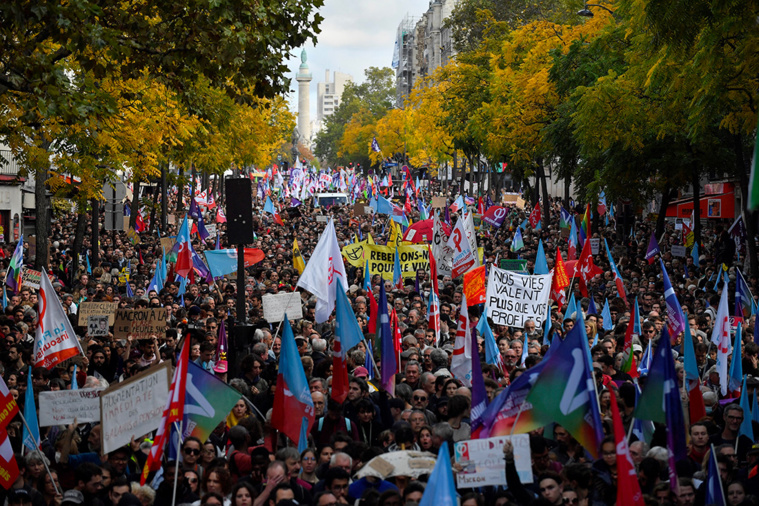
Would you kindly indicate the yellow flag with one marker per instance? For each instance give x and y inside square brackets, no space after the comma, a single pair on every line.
[298,262]
[396,234]
[369,239]
[354,253]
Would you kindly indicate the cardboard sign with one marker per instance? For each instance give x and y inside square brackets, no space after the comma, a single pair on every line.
[482,461]
[359,209]
[97,325]
[512,298]
[122,325]
[134,407]
[31,278]
[87,309]
[167,243]
[438,202]
[148,322]
[595,245]
[276,305]
[63,406]
[171,219]
[520,203]
[678,251]
[321,219]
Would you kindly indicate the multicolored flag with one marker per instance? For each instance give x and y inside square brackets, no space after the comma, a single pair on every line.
[397,274]
[696,407]
[517,243]
[433,306]
[559,281]
[183,248]
[347,335]
[389,365]
[572,242]
[8,405]
[197,215]
[660,402]
[224,261]
[293,410]
[721,339]
[271,209]
[715,494]
[653,249]
[479,395]
[174,411]
[55,339]
[564,391]
[208,400]
[566,217]
[585,225]
[675,320]
[629,365]
[628,488]
[743,296]
[617,276]
[7,461]
[736,366]
[13,276]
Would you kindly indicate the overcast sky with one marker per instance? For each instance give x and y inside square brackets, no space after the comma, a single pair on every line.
[356,35]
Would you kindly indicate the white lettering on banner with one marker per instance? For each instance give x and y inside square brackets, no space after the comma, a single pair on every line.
[513,298]
[134,407]
[63,406]
[482,460]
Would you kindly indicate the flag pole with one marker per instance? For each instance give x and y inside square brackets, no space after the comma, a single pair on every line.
[42,457]
[176,465]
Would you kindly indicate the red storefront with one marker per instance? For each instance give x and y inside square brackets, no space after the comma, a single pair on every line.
[718,201]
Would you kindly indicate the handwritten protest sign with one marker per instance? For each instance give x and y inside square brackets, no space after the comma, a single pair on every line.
[678,251]
[97,325]
[134,407]
[87,309]
[482,461]
[321,219]
[63,406]
[122,325]
[513,298]
[275,306]
[31,278]
[438,202]
[211,229]
[148,322]
[382,259]
[167,243]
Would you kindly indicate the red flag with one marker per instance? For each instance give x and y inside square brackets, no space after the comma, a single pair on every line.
[559,281]
[696,406]
[174,411]
[535,215]
[628,488]
[396,334]
[220,216]
[434,310]
[142,262]
[374,308]
[184,255]
[139,223]
[8,405]
[585,269]
[8,464]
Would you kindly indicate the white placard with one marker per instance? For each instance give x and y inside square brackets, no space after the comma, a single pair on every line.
[482,461]
[321,219]
[276,305]
[97,325]
[63,406]
[211,229]
[368,210]
[134,407]
[678,251]
[595,245]
[513,298]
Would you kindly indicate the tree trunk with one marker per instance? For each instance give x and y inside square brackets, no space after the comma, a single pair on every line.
[455,166]
[180,191]
[666,197]
[164,198]
[192,181]
[42,225]
[749,217]
[135,205]
[95,260]
[462,184]
[567,187]
[546,199]
[81,228]
[696,183]
[154,208]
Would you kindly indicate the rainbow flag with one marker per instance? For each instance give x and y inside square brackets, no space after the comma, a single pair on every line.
[585,224]
[207,402]
[13,276]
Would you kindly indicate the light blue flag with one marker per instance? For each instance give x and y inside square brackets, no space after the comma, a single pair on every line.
[643,429]
[5,298]
[182,286]
[492,354]
[547,327]
[517,243]
[694,254]
[524,349]
[736,366]
[129,292]
[715,495]
[74,382]
[346,326]
[541,265]
[367,277]
[441,487]
[690,364]
[645,360]
[397,276]
[571,307]
[30,439]
[746,428]
[606,313]
[87,260]
[636,321]
[524,224]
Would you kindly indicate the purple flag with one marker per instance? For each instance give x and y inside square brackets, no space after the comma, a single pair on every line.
[653,249]
[479,395]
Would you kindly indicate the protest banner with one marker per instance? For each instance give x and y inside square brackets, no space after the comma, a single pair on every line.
[438,202]
[382,259]
[482,461]
[122,325]
[97,325]
[595,245]
[148,322]
[87,309]
[474,286]
[512,264]
[134,407]
[678,251]
[513,298]
[61,407]
[276,305]
[31,278]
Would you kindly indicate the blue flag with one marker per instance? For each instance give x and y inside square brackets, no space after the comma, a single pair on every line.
[389,365]
[715,495]
[645,360]
[367,277]
[675,319]
[347,330]
[397,275]
[517,243]
[129,292]
[197,214]
[87,260]
[746,427]
[547,327]
[492,355]
[592,306]
[541,265]
[74,382]
[30,439]
[441,488]
[754,410]
[694,254]
[690,364]
[736,367]
[479,395]
[5,298]
[368,362]
[636,321]
[571,307]
[606,313]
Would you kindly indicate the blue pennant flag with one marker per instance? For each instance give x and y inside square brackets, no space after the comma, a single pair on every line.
[736,366]
[606,313]
[31,437]
[541,265]
[715,495]
[636,320]
[746,426]
[441,488]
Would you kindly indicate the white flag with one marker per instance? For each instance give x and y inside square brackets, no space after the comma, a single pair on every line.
[464,258]
[471,236]
[440,250]
[461,362]
[721,338]
[56,340]
[323,271]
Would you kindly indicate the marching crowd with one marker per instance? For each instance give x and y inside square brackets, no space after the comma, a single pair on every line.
[247,462]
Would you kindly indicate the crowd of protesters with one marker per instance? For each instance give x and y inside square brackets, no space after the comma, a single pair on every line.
[245,462]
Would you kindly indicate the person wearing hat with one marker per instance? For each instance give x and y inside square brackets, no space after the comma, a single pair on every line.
[19,497]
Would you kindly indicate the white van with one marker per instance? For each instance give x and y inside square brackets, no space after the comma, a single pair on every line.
[330,199]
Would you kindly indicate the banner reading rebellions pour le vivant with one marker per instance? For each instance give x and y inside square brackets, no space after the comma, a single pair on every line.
[513,298]
[382,259]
